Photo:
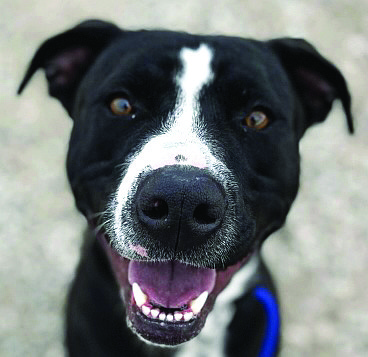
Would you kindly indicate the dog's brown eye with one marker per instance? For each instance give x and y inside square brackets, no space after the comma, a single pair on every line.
[121,106]
[256,120]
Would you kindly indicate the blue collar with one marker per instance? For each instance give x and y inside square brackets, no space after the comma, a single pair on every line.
[271,309]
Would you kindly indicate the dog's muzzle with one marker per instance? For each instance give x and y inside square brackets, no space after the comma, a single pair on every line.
[176,216]
[168,248]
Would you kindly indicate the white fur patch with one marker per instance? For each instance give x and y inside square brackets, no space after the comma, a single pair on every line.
[181,140]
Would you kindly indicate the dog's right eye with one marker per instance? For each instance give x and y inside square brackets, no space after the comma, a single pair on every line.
[121,106]
[256,120]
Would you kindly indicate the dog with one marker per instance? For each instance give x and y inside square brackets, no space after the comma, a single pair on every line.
[183,158]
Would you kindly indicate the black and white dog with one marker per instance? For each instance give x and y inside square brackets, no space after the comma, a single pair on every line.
[183,158]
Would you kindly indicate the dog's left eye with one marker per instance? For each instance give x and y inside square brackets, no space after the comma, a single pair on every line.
[121,106]
[256,120]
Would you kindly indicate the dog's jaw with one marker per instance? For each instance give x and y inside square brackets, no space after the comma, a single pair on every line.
[168,326]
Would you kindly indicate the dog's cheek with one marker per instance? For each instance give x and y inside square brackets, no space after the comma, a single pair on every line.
[269,180]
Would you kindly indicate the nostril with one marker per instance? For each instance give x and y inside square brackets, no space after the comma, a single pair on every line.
[155,209]
[205,214]
[181,208]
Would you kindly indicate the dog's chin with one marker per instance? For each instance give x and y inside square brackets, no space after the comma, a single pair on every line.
[163,333]
[167,303]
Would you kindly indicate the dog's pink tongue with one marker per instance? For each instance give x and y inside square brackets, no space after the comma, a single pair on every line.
[171,284]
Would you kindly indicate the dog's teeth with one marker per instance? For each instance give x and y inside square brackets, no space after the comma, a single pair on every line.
[141,299]
[139,296]
[198,303]
[155,313]
[188,316]
[146,310]
[169,317]
[178,316]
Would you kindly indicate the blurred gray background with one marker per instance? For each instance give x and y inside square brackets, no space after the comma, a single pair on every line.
[320,258]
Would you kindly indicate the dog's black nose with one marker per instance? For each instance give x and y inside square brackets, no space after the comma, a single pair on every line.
[180,207]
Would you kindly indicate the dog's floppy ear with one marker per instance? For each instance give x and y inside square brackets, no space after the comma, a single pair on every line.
[317,81]
[67,56]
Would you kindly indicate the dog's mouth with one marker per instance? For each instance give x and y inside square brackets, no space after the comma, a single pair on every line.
[167,303]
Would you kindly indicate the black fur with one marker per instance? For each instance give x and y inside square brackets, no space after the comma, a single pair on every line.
[285,78]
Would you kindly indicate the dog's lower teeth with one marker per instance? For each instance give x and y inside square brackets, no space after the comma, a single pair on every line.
[178,316]
[188,316]
[146,310]
[169,317]
[141,299]
[155,313]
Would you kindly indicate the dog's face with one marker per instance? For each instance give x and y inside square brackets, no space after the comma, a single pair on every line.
[184,153]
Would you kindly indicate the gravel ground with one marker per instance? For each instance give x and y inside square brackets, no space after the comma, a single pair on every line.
[319,259]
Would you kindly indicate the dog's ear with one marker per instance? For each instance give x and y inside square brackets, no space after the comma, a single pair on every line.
[317,81]
[67,56]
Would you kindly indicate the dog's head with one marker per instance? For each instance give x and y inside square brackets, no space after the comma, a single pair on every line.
[184,154]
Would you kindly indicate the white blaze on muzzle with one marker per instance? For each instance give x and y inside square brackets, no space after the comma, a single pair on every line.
[182,140]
